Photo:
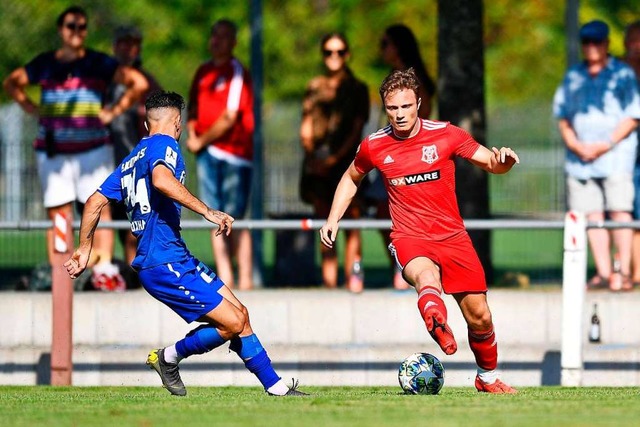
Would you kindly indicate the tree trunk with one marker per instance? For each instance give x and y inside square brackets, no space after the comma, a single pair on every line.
[461,101]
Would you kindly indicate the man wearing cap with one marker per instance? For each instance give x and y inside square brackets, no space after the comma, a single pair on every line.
[598,108]
[128,128]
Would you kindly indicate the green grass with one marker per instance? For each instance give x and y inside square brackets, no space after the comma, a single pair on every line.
[329,406]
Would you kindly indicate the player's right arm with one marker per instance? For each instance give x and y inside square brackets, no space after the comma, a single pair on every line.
[345,192]
[15,85]
[165,182]
[90,218]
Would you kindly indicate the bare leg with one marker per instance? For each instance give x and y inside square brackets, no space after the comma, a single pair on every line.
[104,239]
[622,240]
[329,261]
[130,247]
[636,257]
[600,245]
[221,253]
[352,251]
[244,257]
[328,256]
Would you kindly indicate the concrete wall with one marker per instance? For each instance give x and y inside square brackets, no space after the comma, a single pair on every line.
[326,337]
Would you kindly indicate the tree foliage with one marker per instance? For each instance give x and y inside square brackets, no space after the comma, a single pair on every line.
[524,41]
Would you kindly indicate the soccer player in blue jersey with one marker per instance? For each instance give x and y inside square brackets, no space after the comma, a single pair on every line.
[150,183]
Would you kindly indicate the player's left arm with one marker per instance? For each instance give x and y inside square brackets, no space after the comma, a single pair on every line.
[164,181]
[496,161]
[90,218]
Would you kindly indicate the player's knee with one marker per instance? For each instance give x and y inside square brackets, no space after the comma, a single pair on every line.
[236,325]
[480,319]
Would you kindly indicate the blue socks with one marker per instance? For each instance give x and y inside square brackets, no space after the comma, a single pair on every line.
[255,359]
[205,338]
[201,340]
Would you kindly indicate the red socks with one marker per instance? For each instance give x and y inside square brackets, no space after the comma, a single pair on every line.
[434,314]
[485,348]
[429,299]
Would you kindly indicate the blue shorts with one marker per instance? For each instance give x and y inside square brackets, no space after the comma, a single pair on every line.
[636,184]
[224,186]
[189,288]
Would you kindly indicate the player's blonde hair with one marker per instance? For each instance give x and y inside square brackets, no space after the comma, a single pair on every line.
[398,80]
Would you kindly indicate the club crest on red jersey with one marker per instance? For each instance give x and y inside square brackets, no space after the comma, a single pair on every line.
[429,154]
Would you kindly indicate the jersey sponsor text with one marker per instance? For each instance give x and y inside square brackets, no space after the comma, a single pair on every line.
[415,179]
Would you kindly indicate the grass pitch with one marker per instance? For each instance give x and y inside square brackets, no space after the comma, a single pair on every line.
[328,406]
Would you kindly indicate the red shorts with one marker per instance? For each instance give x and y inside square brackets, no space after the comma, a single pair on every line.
[460,268]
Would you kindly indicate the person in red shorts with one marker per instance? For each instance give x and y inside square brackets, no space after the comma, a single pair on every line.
[416,160]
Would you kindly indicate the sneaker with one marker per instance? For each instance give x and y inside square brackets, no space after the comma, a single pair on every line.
[497,387]
[106,277]
[440,331]
[169,372]
[293,390]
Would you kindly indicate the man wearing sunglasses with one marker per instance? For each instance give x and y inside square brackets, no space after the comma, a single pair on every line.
[598,107]
[73,150]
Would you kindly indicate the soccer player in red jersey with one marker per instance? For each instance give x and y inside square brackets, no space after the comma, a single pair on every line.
[429,241]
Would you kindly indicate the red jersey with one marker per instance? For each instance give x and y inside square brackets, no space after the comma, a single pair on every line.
[216,88]
[419,175]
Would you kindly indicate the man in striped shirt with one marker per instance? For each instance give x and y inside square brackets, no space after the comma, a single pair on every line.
[220,128]
[72,146]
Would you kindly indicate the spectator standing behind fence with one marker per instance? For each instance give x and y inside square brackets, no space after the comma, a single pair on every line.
[128,128]
[221,125]
[598,108]
[335,109]
[72,145]
[399,49]
[632,57]
[416,158]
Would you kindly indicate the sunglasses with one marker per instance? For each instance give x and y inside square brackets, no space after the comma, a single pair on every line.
[75,27]
[384,43]
[327,53]
[590,41]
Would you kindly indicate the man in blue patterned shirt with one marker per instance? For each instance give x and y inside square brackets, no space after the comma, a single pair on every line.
[598,108]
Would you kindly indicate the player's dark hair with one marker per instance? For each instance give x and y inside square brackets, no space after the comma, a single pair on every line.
[407,47]
[164,99]
[227,23]
[71,10]
[398,80]
[334,35]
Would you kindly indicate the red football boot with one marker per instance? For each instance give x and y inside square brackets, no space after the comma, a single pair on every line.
[440,331]
[497,387]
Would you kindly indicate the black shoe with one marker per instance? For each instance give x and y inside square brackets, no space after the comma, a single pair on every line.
[293,390]
[169,372]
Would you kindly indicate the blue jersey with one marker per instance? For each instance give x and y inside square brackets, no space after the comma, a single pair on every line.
[154,217]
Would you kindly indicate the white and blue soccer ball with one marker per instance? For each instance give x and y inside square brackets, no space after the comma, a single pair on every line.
[421,373]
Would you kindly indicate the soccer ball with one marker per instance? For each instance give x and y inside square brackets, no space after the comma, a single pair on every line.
[421,373]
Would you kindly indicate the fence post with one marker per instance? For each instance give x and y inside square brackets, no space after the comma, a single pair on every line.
[574,278]
[62,302]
